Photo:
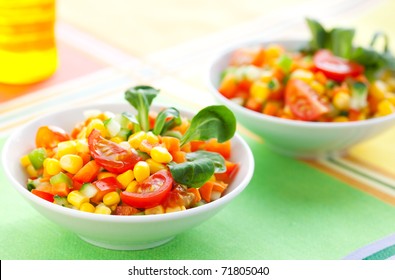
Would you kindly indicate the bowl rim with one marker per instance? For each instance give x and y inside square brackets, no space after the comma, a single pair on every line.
[221,53]
[121,218]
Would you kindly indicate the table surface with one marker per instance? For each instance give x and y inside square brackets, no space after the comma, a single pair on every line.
[292,209]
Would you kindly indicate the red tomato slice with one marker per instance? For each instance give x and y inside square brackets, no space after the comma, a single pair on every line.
[43,195]
[153,191]
[49,136]
[334,67]
[110,155]
[303,101]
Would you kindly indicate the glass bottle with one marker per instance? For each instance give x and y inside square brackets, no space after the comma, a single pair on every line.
[27,41]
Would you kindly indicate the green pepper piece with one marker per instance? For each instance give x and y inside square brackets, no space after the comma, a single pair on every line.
[37,157]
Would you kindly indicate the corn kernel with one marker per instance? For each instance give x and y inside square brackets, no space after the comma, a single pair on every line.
[161,154]
[266,75]
[304,75]
[378,89]
[101,208]
[125,145]
[175,209]
[259,90]
[52,166]
[25,161]
[141,171]
[66,148]
[385,107]
[341,119]
[81,146]
[317,87]
[154,166]
[76,198]
[273,51]
[31,171]
[116,139]
[104,174]
[152,138]
[96,124]
[111,198]
[71,163]
[341,100]
[87,207]
[390,83]
[132,186]
[136,138]
[125,178]
[155,210]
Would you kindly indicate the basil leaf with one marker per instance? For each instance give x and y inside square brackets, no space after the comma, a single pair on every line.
[341,42]
[192,173]
[318,34]
[140,97]
[215,121]
[166,120]
[217,159]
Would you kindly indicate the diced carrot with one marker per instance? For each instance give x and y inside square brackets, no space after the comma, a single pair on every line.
[186,148]
[206,190]
[224,148]
[219,187]
[228,86]
[183,126]
[172,144]
[231,170]
[87,173]
[197,145]
[86,157]
[196,193]
[61,189]
[253,104]
[179,156]
[271,108]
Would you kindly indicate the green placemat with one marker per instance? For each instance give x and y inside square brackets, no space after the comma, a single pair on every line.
[289,211]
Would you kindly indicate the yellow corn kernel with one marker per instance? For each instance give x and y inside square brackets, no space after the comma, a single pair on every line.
[273,51]
[31,171]
[141,171]
[391,98]
[96,124]
[132,186]
[266,76]
[378,89]
[136,138]
[111,198]
[52,166]
[152,138]
[101,208]
[341,100]
[25,161]
[390,83]
[71,163]
[81,146]
[161,154]
[341,119]
[304,75]
[175,209]
[82,134]
[125,145]
[125,178]
[87,207]
[317,87]
[76,198]
[66,148]
[155,166]
[385,107]
[116,139]
[104,174]
[155,210]
[259,90]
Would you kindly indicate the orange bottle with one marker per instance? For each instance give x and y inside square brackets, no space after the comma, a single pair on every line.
[27,41]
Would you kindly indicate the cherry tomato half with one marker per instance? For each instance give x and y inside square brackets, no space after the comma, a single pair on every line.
[104,186]
[153,191]
[303,101]
[43,195]
[110,155]
[49,136]
[334,67]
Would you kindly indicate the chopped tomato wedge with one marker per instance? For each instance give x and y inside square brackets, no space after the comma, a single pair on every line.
[151,192]
[49,136]
[43,195]
[303,101]
[110,155]
[336,68]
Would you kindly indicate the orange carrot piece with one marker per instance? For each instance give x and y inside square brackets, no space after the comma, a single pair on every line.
[196,193]
[61,189]
[224,148]
[87,173]
[172,144]
[206,190]
[179,156]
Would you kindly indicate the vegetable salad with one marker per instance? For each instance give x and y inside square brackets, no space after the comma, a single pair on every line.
[328,81]
[134,164]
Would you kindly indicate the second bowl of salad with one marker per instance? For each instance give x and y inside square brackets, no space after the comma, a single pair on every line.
[308,98]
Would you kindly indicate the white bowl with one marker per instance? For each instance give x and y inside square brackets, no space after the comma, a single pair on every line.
[310,140]
[116,232]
